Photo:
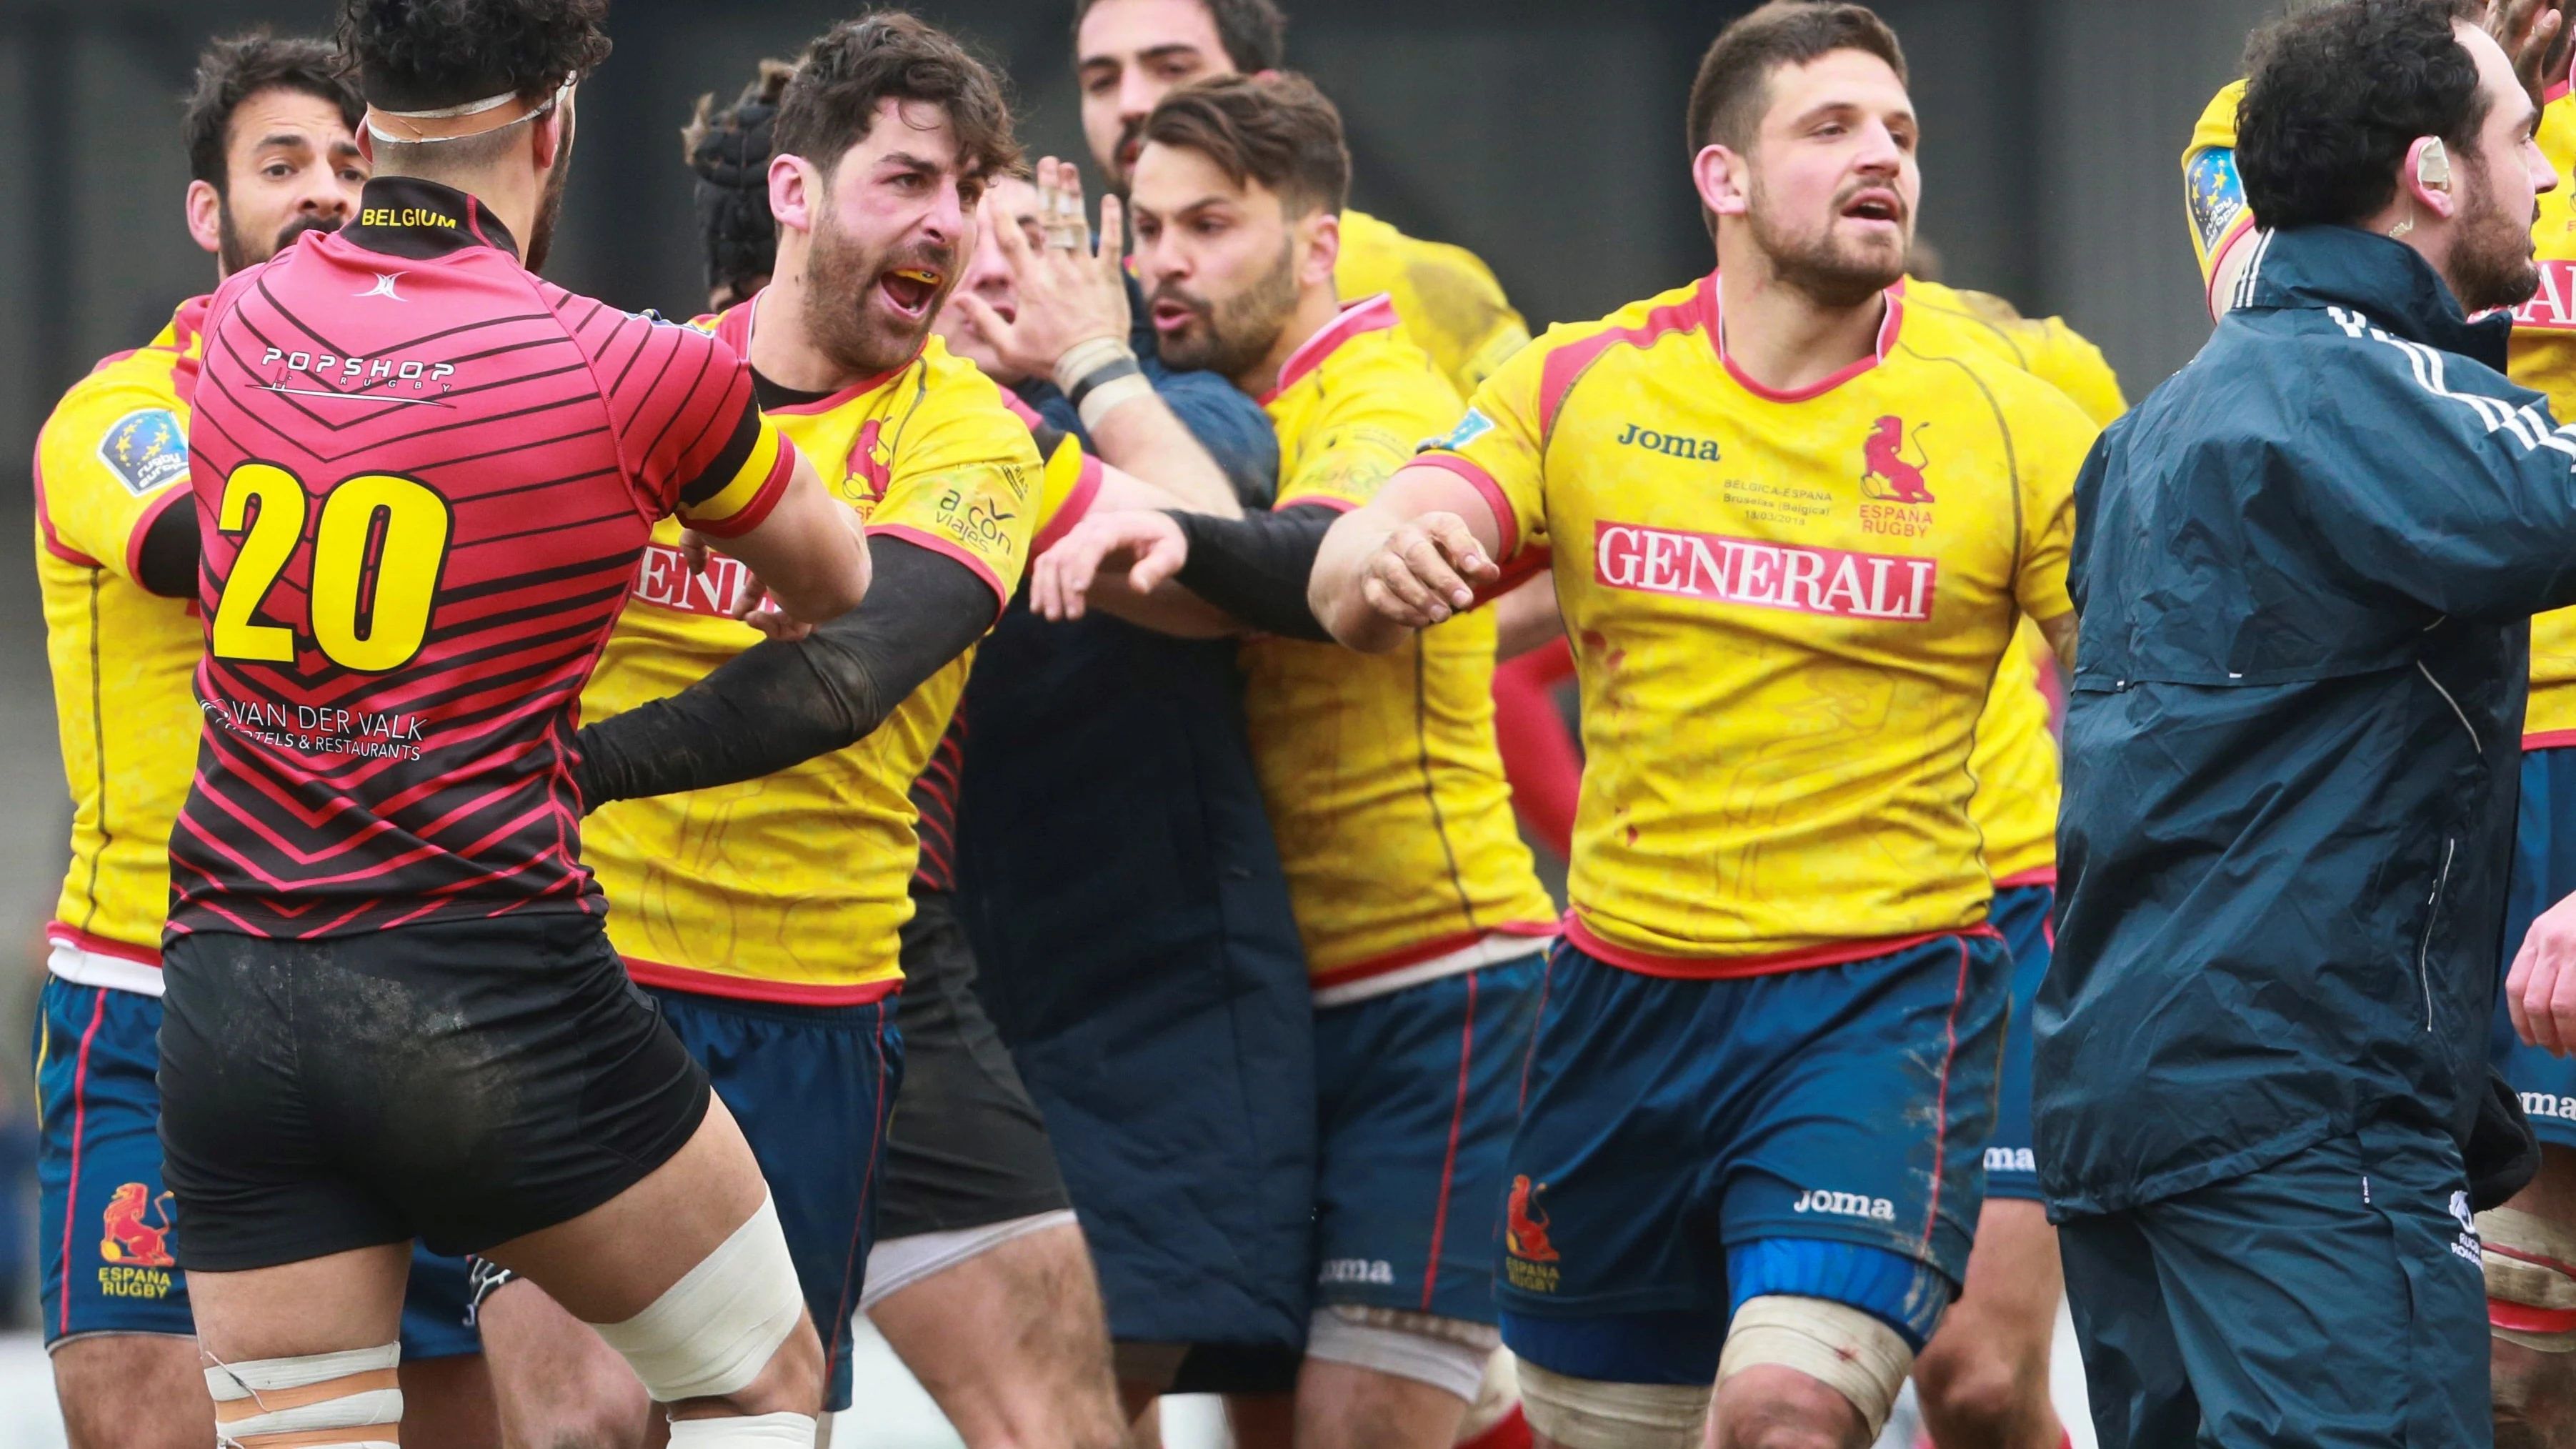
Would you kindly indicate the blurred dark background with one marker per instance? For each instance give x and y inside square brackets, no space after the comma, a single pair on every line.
[1543,134]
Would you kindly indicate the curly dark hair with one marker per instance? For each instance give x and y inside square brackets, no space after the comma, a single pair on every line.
[238,67]
[1253,32]
[419,55]
[2336,94]
[1279,131]
[729,151]
[831,103]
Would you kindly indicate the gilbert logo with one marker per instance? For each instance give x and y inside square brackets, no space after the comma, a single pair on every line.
[1727,570]
[2553,307]
[1845,1205]
[384,287]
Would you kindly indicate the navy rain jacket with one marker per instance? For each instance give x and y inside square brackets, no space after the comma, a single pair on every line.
[2305,568]
[1132,927]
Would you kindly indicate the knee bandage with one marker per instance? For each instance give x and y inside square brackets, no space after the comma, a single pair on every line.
[345,1400]
[1498,1398]
[1593,1414]
[714,1330]
[1446,1353]
[1856,1354]
[753,1431]
[2530,1267]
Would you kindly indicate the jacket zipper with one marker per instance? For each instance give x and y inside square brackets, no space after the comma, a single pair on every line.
[2432,913]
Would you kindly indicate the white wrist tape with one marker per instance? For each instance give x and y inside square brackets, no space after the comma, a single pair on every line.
[1594,1414]
[713,1331]
[2530,1265]
[345,1400]
[1086,357]
[1110,396]
[1853,1353]
[751,1431]
[1446,1353]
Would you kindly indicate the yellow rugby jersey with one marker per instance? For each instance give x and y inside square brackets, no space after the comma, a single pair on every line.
[110,459]
[2015,760]
[2542,354]
[1447,301]
[1787,610]
[1384,786]
[2044,347]
[792,887]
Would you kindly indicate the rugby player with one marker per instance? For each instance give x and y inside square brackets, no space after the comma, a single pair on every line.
[982,1282]
[273,153]
[728,150]
[1763,1078]
[1420,909]
[423,479]
[2528,1245]
[1128,54]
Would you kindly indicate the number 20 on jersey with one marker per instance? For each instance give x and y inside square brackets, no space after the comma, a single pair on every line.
[377,551]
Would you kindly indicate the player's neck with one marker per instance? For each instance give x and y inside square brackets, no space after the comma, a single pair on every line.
[1783,338]
[511,193]
[1316,309]
[781,350]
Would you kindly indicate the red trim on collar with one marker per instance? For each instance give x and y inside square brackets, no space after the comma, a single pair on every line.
[1371,314]
[1888,328]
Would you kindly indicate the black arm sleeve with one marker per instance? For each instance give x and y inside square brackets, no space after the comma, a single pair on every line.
[167,563]
[1255,567]
[779,704]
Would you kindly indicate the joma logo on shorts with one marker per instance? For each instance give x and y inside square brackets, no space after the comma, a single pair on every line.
[1357,1270]
[2010,1159]
[2549,1104]
[1845,1204]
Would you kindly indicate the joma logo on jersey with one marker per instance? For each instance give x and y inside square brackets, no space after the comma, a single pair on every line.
[1357,1270]
[1671,445]
[1770,575]
[662,578]
[1845,1205]
[2553,307]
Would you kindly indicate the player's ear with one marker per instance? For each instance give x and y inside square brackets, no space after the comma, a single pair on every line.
[1323,233]
[1724,180]
[206,215]
[548,137]
[795,192]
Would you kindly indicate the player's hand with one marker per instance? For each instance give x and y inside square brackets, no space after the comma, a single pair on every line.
[1426,571]
[1068,293]
[2540,991]
[2534,34]
[751,606]
[1145,543]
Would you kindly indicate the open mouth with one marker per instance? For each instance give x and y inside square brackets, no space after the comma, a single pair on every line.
[1874,206]
[910,289]
[1172,316]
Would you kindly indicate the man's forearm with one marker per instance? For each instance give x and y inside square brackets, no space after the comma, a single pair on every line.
[1256,568]
[1144,437]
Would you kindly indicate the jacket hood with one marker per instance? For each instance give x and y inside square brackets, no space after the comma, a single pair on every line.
[2388,281]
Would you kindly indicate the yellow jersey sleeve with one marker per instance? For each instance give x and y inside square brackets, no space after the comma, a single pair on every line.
[111,459]
[1500,446]
[2015,765]
[2052,438]
[1447,300]
[961,475]
[2213,196]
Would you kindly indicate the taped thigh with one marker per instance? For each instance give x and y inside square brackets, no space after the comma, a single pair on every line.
[2530,1265]
[1854,1353]
[1447,1353]
[713,1332]
[351,1399]
[1594,1414]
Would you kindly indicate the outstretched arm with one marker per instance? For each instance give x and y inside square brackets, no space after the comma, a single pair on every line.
[1408,559]
[783,702]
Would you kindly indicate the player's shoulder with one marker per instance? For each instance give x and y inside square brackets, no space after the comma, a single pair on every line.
[1943,351]
[129,411]
[1387,255]
[2216,127]
[1642,325]
[943,392]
